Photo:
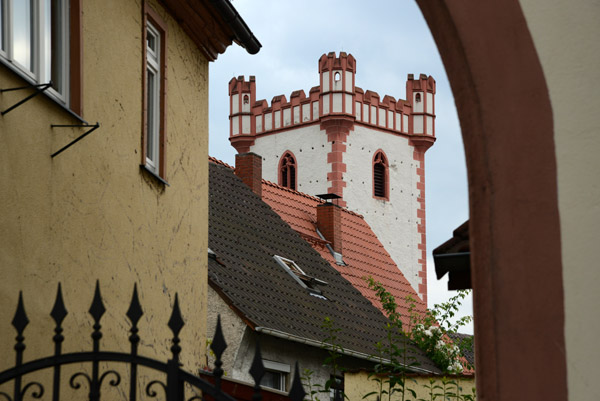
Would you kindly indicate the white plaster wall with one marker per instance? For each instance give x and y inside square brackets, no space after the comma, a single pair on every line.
[348,86]
[337,102]
[277,119]
[566,38]
[235,103]
[245,124]
[325,104]
[306,112]
[429,102]
[418,124]
[348,104]
[309,145]
[394,222]
[382,117]
[235,125]
[233,329]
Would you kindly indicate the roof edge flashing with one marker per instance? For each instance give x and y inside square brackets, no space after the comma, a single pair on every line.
[344,351]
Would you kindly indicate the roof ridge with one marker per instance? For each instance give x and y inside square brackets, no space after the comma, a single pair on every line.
[221,162]
[305,195]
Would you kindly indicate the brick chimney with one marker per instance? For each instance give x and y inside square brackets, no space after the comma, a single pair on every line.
[329,223]
[248,166]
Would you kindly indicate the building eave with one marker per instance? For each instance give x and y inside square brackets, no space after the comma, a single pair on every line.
[213,25]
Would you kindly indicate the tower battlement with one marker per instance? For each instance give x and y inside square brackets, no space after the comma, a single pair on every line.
[367,149]
[336,95]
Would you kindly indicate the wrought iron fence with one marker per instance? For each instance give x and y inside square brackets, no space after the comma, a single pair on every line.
[176,377]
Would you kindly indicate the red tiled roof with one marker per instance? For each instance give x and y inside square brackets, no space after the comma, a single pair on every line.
[362,252]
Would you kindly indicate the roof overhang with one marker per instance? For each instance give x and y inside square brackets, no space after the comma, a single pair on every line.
[458,265]
[213,25]
[454,257]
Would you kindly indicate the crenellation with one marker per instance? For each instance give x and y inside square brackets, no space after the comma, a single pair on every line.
[336,94]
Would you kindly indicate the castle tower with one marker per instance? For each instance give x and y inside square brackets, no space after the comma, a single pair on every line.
[346,141]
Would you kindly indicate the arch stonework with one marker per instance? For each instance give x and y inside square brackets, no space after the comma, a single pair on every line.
[507,126]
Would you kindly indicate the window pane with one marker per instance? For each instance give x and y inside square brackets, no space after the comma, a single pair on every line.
[151,41]
[150,115]
[273,380]
[22,32]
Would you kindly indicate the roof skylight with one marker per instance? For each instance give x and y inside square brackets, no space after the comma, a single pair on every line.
[306,281]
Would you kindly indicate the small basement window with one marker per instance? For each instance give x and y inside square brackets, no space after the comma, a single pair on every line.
[312,284]
[276,375]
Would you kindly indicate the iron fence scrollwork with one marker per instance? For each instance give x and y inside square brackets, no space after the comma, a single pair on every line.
[173,388]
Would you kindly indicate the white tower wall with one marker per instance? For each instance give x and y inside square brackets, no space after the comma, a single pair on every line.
[394,221]
[310,147]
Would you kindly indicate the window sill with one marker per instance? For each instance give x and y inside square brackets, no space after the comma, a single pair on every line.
[30,81]
[153,174]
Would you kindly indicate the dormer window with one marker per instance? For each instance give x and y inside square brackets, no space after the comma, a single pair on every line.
[312,284]
[287,171]
[380,175]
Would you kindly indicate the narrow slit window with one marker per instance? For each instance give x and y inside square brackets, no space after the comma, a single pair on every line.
[380,176]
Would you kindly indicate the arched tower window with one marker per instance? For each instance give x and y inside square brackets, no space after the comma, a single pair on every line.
[287,171]
[380,175]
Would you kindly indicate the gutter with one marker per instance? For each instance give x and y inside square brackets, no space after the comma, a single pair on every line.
[319,344]
[244,35]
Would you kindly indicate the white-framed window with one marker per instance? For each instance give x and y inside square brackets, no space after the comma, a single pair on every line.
[276,375]
[153,90]
[34,41]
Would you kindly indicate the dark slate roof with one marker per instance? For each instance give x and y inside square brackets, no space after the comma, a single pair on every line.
[469,353]
[244,234]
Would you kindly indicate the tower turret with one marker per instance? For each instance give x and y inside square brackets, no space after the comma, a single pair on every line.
[337,84]
[421,93]
[242,96]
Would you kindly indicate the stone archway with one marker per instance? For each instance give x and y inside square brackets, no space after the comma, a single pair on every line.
[507,125]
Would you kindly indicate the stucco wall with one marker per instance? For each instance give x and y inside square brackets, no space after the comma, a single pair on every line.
[309,145]
[358,384]
[90,213]
[566,38]
[233,330]
[394,221]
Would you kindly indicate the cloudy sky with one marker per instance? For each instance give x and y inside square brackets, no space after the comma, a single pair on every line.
[389,39]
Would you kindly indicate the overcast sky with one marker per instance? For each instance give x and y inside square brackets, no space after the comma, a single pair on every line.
[389,39]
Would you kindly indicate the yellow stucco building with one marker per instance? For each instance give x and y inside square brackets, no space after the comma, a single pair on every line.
[360,383]
[127,203]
